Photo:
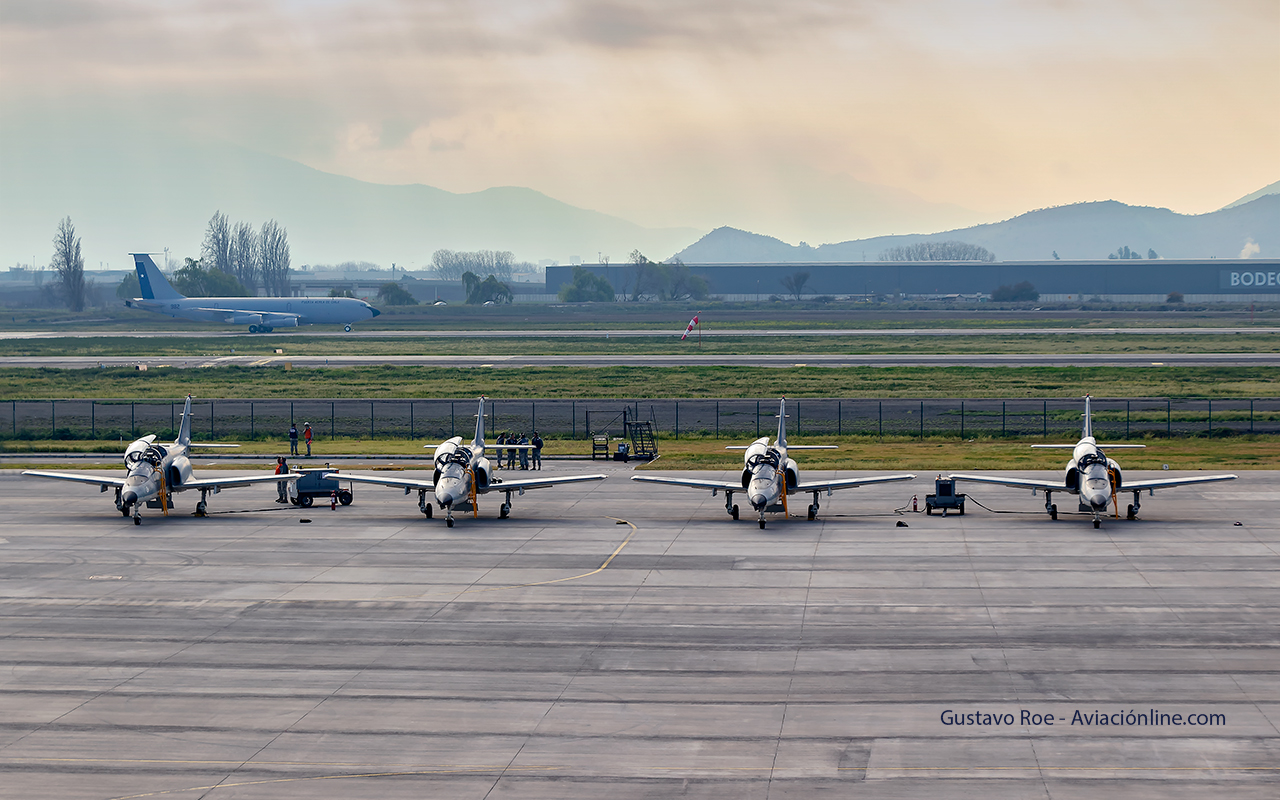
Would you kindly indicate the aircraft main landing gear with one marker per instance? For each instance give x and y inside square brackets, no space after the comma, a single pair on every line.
[423,505]
[813,509]
[1133,508]
[1050,506]
[729,505]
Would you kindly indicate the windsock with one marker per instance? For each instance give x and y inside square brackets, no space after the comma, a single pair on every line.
[692,324]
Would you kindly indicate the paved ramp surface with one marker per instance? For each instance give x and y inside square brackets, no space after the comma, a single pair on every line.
[562,654]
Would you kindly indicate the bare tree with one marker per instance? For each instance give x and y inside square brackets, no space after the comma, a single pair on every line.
[938,251]
[244,256]
[273,258]
[449,265]
[794,283]
[215,253]
[69,264]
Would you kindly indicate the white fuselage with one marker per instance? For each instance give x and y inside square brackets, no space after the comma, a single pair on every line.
[148,466]
[281,312]
[1089,473]
[765,473]
[460,471]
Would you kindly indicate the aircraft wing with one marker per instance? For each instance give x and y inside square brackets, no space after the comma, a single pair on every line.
[97,480]
[398,483]
[1017,483]
[691,483]
[229,313]
[233,482]
[514,485]
[1137,486]
[850,483]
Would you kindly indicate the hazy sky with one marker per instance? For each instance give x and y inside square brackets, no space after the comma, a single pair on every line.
[693,112]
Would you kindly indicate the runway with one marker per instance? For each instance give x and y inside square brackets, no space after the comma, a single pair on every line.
[1146,359]
[669,652]
[601,333]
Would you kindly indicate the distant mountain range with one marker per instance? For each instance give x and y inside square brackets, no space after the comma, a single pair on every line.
[131,193]
[1251,226]
[133,188]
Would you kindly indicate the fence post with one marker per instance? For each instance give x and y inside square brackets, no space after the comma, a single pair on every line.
[677,419]
[757,419]
[962,419]
[1126,418]
[332,420]
[172,426]
[53,418]
[1044,421]
[839,418]
[250,419]
[93,418]
[133,424]
[881,419]
[291,412]
[922,420]
[411,420]
[573,412]
[717,419]
[1250,416]
[533,417]
[1003,408]
[453,420]
[1210,416]
[210,419]
[1168,417]
[370,419]
[797,418]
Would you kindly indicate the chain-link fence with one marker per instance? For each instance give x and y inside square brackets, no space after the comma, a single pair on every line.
[1057,418]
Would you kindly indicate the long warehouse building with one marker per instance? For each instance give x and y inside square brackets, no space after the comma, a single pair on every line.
[1129,280]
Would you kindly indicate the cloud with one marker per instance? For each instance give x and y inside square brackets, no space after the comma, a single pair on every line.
[995,104]
[1251,248]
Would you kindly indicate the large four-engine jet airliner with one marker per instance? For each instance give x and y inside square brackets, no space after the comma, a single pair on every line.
[1093,476]
[261,314]
[462,473]
[769,476]
[154,472]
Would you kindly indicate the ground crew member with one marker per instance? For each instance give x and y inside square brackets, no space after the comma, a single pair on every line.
[306,435]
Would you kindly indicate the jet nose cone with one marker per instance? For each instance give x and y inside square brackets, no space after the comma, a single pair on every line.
[129,498]
[375,311]
[757,501]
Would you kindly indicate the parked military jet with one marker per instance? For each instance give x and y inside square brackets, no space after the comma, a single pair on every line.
[154,472]
[261,314]
[1093,476]
[769,476]
[462,474]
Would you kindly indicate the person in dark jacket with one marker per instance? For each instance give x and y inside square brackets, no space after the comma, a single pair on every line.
[536,441]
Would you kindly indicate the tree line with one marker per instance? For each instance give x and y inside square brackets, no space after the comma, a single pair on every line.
[254,259]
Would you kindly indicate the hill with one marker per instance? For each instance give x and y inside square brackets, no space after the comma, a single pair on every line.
[127,195]
[1076,232]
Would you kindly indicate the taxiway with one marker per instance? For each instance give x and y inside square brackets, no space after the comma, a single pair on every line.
[610,640]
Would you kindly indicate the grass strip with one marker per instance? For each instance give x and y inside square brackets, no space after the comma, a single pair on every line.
[387,382]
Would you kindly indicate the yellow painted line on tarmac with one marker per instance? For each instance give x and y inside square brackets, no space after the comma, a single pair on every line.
[595,571]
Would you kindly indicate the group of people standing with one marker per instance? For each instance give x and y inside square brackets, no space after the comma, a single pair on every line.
[530,456]
[293,437]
